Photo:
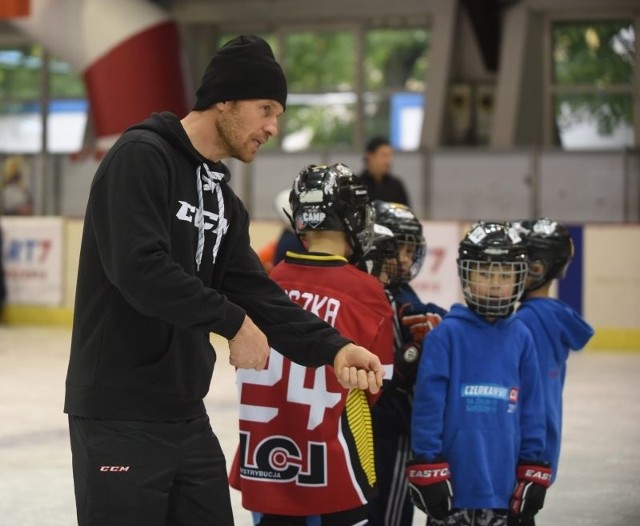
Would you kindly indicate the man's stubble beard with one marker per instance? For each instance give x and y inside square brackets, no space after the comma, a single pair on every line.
[229,135]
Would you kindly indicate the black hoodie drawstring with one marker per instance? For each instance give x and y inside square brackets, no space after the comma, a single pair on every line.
[208,180]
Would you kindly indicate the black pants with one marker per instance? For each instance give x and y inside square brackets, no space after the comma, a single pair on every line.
[132,473]
[391,437]
[392,506]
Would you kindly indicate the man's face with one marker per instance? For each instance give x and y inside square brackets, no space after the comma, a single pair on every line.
[245,125]
[379,162]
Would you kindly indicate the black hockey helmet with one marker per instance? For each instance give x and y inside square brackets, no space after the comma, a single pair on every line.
[549,243]
[331,198]
[383,249]
[494,250]
[407,229]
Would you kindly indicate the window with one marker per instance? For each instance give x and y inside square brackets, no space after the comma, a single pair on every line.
[395,71]
[20,93]
[321,108]
[322,71]
[592,84]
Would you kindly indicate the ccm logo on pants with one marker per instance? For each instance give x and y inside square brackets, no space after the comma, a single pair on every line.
[116,469]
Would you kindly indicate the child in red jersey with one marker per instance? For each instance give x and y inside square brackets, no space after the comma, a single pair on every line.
[306,443]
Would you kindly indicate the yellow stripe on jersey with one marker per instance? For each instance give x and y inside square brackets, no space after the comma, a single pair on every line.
[359,422]
[316,257]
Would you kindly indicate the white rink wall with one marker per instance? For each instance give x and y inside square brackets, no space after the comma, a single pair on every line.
[41,263]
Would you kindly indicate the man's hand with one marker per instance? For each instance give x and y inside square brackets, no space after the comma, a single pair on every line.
[249,349]
[358,368]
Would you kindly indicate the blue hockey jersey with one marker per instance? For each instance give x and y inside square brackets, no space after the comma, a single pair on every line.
[557,329]
[479,405]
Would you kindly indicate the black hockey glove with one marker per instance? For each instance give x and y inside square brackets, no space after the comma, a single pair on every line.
[520,521]
[415,326]
[532,481]
[405,366]
[429,486]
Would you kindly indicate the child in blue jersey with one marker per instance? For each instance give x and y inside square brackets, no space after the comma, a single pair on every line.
[396,260]
[478,423]
[555,326]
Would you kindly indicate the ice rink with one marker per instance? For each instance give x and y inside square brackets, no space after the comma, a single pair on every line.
[599,469]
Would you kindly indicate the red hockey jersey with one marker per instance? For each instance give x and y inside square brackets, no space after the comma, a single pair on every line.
[306,446]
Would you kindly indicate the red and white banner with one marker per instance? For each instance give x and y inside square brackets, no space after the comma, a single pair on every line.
[438,280]
[33,260]
[128,51]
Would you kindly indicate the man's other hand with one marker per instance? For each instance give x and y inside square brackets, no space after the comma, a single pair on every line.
[249,349]
[358,368]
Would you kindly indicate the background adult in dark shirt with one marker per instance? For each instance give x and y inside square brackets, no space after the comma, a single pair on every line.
[382,185]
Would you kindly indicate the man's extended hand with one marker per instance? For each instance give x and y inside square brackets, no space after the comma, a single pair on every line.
[249,349]
[358,368]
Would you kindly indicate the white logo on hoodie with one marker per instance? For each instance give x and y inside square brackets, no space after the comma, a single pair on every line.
[187,213]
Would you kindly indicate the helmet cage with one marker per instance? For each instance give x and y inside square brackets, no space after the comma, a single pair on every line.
[488,253]
[407,229]
[384,250]
[476,275]
[417,247]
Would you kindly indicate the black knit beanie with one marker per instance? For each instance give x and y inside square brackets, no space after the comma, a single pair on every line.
[244,68]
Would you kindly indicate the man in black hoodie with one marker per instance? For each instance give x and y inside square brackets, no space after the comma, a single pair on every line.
[165,260]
